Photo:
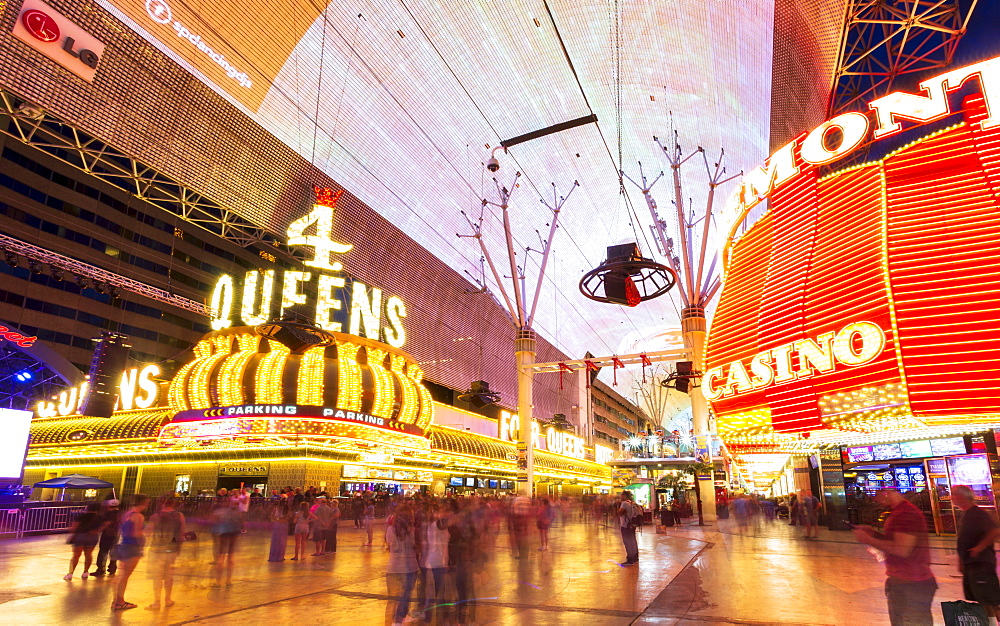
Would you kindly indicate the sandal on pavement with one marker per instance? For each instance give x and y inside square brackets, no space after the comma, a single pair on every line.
[121,606]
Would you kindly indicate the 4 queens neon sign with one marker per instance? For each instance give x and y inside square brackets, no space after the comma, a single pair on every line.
[814,149]
[370,314]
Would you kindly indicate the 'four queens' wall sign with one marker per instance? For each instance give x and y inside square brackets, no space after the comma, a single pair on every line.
[261,295]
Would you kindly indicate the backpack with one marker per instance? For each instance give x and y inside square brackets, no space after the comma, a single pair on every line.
[635,516]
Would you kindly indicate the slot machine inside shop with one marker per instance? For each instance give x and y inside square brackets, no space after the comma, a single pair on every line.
[924,471]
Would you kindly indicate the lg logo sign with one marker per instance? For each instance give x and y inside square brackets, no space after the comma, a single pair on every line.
[43,28]
[52,34]
[40,25]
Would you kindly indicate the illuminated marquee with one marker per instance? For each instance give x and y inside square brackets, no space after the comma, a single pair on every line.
[556,441]
[906,247]
[246,382]
[137,389]
[854,345]
[261,292]
[257,419]
[813,149]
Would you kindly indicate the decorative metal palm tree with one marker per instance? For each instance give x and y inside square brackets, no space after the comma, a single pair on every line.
[522,314]
[693,258]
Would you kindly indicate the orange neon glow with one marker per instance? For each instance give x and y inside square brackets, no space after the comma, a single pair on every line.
[908,243]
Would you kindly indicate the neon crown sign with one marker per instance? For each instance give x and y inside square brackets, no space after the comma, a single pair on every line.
[370,315]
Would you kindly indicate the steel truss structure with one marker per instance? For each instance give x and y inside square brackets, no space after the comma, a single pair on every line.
[94,273]
[62,140]
[612,361]
[883,40]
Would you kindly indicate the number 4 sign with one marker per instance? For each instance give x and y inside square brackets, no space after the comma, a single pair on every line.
[322,241]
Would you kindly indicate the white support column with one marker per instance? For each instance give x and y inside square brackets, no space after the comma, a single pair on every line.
[585,412]
[524,350]
[693,327]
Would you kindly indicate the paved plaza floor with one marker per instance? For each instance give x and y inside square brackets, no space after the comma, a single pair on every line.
[690,575]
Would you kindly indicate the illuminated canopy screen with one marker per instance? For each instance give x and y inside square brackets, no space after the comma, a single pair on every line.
[398,102]
[865,299]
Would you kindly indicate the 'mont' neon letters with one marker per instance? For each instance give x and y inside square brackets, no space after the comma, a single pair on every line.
[854,345]
[812,149]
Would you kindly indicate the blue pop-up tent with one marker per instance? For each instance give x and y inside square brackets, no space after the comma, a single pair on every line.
[74,481]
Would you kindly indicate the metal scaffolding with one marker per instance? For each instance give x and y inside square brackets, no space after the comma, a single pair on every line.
[96,274]
[63,141]
[883,40]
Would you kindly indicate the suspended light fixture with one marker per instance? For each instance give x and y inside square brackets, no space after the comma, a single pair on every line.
[626,277]
[479,394]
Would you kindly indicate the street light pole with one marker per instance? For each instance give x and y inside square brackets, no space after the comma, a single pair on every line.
[524,351]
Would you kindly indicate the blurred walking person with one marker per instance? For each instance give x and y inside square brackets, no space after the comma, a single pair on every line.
[331,531]
[166,537]
[977,560]
[809,513]
[227,523]
[84,536]
[434,562]
[741,511]
[242,498]
[301,530]
[358,511]
[279,532]
[369,520]
[109,537]
[768,506]
[401,570]
[546,513]
[130,550]
[909,584]
[520,518]
[320,515]
[465,558]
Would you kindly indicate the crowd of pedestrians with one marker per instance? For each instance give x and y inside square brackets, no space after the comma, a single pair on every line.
[438,546]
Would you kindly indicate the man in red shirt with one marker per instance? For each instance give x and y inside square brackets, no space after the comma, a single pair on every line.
[909,583]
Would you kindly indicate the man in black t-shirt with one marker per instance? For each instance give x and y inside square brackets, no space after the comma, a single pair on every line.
[977,530]
[110,515]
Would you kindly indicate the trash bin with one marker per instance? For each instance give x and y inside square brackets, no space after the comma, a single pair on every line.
[666,517]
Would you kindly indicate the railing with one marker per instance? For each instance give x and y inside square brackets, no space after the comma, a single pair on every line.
[10,523]
[17,522]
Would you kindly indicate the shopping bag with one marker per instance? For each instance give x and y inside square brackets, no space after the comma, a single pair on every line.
[961,613]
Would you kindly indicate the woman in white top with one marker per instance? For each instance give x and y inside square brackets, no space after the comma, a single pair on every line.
[434,559]
[401,570]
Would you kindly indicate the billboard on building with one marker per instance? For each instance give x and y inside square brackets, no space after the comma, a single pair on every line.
[14,427]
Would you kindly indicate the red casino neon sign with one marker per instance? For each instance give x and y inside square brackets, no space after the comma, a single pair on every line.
[907,244]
